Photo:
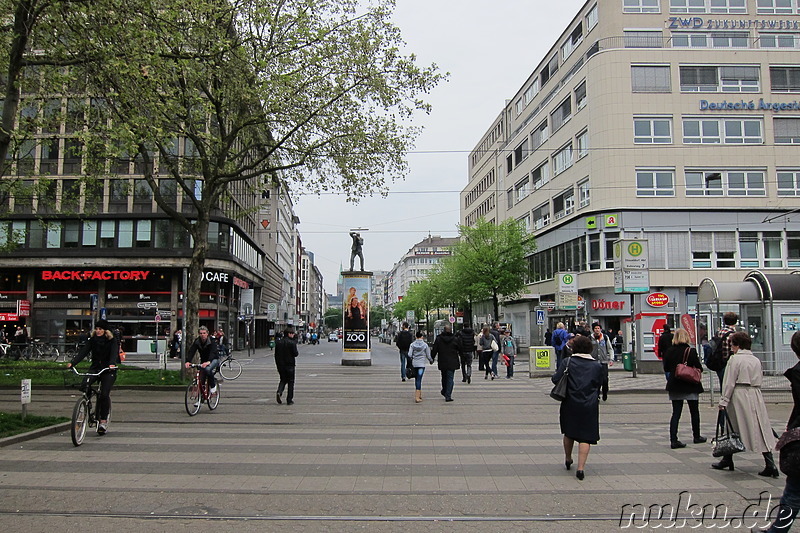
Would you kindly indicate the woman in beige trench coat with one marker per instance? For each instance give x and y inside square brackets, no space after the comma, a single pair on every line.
[741,396]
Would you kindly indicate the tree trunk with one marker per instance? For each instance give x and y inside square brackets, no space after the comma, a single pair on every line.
[496,306]
[191,322]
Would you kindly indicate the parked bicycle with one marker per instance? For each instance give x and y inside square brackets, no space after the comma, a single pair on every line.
[229,368]
[84,414]
[198,392]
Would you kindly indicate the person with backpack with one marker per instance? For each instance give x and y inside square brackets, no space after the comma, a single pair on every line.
[721,349]
[403,342]
[420,354]
[559,340]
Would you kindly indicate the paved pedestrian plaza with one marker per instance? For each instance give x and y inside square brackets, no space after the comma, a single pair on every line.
[356,453]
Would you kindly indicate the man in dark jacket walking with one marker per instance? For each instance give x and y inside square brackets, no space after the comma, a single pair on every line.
[285,354]
[466,353]
[447,347]
[403,341]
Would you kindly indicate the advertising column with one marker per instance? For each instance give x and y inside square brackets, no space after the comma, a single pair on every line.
[357,287]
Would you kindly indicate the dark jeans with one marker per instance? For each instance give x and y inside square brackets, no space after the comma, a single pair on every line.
[103,404]
[559,356]
[403,363]
[790,504]
[447,382]
[677,409]
[208,372]
[495,357]
[604,388]
[466,365]
[485,362]
[287,378]
[510,368]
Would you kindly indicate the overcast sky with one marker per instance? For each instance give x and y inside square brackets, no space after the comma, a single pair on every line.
[489,48]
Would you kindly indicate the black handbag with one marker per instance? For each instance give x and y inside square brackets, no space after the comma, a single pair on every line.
[409,368]
[726,441]
[559,392]
[789,452]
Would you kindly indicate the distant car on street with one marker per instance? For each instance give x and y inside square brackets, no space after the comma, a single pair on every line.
[333,337]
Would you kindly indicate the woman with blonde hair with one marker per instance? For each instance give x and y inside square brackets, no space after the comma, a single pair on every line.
[680,390]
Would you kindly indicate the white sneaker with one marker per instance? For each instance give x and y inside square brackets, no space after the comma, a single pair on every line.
[214,389]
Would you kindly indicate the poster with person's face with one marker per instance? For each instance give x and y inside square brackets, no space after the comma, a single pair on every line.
[355,308]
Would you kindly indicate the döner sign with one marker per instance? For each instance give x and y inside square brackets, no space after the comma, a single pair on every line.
[605,304]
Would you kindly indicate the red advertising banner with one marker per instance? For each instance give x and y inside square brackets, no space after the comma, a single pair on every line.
[24,307]
[687,323]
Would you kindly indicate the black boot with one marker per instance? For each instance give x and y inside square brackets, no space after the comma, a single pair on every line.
[726,462]
[770,470]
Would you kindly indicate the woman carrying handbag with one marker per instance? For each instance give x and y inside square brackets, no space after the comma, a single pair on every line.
[680,390]
[741,397]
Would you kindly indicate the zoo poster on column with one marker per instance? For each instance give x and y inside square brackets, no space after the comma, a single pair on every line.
[355,306]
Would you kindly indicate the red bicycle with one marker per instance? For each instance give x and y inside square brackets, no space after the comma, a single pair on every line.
[198,392]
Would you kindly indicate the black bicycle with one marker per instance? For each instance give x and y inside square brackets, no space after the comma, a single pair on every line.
[84,414]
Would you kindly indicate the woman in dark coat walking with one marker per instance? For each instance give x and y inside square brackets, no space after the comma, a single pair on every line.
[680,390]
[580,411]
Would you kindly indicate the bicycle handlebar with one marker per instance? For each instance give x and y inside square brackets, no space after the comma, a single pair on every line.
[89,373]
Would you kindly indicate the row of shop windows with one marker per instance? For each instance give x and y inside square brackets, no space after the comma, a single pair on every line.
[673,250]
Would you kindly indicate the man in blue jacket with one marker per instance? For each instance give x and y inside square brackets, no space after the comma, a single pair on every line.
[559,341]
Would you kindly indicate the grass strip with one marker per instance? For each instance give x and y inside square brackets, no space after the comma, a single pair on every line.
[12,423]
[47,373]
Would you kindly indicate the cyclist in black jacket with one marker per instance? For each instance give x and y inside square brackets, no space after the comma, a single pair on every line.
[104,348]
[208,351]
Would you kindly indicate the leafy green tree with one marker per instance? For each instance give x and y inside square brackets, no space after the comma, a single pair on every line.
[376,314]
[488,262]
[314,92]
[420,298]
[333,318]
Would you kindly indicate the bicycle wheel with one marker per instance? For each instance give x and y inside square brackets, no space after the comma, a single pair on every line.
[213,399]
[80,421]
[230,369]
[193,398]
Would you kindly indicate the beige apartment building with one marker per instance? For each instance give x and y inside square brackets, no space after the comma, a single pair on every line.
[674,121]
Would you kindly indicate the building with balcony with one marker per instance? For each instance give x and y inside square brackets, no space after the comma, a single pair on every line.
[675,122]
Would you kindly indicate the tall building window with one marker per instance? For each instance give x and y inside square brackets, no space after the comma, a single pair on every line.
[583,193]
[572,42]
[708,6]
[793,249]
[591,18]
[562,114]
[89,239]
[562,159]
[650,79]
[539,135]
[714,39]
[580,95]
[641,6]
[531,91]
[652,130]
[789,182]
[564,203]
[655,182]
[776,7]
[539,176]
[48,165]
[779,40]
[549,70]
[715,131]
[725,79]
[521,189]
[541,216]
[583,143]
[785,79]
[732,182]
[787,130]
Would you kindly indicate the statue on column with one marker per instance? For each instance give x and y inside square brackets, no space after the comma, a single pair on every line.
[355,250]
